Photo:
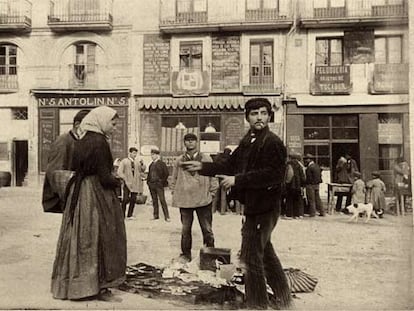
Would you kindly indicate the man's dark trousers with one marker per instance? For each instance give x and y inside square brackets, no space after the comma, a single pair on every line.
[314,200]
[262,263]
[130,197]
[157,192]
[205,219]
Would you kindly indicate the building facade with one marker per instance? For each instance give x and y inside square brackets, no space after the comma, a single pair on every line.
[335,71]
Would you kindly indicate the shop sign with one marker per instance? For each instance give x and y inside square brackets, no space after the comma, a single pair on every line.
[390,133]
[390,78]
[82,101]
[332,80]
[190,82]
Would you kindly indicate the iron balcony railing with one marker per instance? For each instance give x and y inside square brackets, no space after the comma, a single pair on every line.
[8,82]
[262,78]
[210,13]
[309,9]
[80,11]
[83,76]
[15,14]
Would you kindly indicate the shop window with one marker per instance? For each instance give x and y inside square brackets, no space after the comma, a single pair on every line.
[85,62]
[173,129]
[329,52]
[345,127]
[316,127]
[261,63]
[19,113]
[388,50]
[390,139]
[191,55]
[8,60]
[321,153]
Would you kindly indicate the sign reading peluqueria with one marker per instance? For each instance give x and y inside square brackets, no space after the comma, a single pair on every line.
[82,101]
[331,80]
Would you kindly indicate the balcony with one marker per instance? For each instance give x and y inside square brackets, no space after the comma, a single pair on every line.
[189,16]
[15,16]
[262,79]
[351,12]
[389,79]
[77,15]
[83,76]
[8,83]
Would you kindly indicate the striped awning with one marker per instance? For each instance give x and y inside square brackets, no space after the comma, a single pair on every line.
[205,103]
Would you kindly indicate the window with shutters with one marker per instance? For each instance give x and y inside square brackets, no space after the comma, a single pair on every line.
[261,62]
[84,67]
[191,55]
[329,52]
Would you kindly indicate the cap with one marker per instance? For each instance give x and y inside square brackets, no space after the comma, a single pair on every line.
[256,103]
[155,151]
[357,174]
[309,156]
[295,155]
[190,136]
[376,174]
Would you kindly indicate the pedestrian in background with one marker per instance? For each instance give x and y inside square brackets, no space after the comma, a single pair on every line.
[342,177]
[60,158]
[193,193]
[91,249]
[313,179]
[376,193]
[256,171]
[295,180]
[130,170]
[157,180]
[358,189]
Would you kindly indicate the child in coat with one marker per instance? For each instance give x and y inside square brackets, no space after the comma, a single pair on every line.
[358,189]
[377,193]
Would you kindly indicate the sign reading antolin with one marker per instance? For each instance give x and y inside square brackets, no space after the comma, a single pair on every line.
[96,100]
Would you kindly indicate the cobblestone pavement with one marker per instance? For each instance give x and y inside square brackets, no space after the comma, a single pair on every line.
[359,266]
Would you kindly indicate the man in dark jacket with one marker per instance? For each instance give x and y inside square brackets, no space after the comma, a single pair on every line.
[313,179]
[60,158]
[157,180]
[256,172]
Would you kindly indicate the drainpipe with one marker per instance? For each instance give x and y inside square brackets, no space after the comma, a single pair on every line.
[290,32]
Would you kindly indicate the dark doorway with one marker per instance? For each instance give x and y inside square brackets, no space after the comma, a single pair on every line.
[340,150]
[20,160]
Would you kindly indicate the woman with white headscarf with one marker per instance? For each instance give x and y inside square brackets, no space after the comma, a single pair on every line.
[91,249]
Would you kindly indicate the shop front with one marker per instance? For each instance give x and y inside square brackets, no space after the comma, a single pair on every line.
[218,121]
[56,110]
[374,135]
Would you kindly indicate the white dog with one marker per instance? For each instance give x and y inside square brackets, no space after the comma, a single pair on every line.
[359,208]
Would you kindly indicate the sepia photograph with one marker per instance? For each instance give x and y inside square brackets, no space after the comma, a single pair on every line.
[206,154]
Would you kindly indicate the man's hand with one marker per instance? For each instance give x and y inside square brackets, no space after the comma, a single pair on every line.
[191,166]
[227,181]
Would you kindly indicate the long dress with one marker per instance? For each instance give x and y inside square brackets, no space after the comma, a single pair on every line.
[91,249]
[377,193]
[358,191]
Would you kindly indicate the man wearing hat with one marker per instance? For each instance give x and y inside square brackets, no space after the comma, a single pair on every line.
[313,179]
[295,180]
[255,171]
[157,180]
[193,193]
[60,158]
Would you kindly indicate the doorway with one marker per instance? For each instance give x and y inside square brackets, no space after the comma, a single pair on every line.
[20,161]
[340,150]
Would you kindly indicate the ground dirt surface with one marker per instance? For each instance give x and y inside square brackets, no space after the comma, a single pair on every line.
[359,266]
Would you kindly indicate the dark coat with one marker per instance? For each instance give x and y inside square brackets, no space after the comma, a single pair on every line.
[313,174]
[158,173]
[259,170]
[59,158]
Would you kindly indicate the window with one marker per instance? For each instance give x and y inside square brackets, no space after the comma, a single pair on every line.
[388,50]
[191,55]
[329,52]
[8,59]
[189,6]
[261,4]
[19,113]
[261,62]
[321,153]
[84,61]
[329,3]
[390,139]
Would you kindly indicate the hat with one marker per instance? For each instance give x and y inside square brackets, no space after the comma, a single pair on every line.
[309,156]
[376,174]
[295,155]
[190,136]
[357,174]
[155,151]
